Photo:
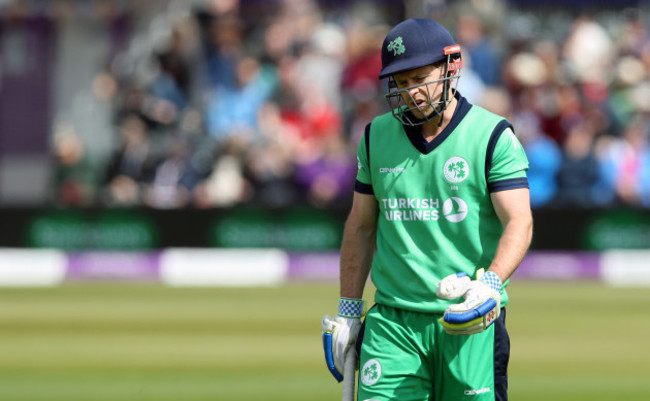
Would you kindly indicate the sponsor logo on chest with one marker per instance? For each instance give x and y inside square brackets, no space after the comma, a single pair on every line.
[453,208]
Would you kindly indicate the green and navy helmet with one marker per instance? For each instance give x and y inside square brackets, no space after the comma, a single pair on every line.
[415,43]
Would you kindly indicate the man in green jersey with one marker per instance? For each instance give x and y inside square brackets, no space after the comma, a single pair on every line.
[441,217]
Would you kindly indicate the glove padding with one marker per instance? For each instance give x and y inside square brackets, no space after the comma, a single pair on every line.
[340,333]
[481,307]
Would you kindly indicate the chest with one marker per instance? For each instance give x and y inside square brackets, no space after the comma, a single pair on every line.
[455,168]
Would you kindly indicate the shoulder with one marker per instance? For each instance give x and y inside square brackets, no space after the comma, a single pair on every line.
[384,127]
[487,116]
[480,121]
[384,120]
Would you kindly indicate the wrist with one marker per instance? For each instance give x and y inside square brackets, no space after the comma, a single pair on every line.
[351,308]
[492,280]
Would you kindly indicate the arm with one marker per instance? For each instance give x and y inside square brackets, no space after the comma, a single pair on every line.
[358,246]
[357,249]
[482,296]
[513,209]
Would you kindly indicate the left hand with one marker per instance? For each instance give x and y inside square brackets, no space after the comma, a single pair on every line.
[340,334]
[482,305]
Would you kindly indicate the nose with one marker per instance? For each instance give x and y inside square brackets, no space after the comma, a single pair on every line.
[413,89]
[413,93]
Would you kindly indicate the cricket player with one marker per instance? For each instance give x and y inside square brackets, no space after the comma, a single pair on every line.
[441,217]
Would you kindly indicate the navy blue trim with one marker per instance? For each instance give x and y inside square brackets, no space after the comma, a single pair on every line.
[363,188]
[367,140]
[415,133]
[501,357]
[504,185]
[492,144]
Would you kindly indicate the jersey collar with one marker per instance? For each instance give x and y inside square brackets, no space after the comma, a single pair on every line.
[421,144]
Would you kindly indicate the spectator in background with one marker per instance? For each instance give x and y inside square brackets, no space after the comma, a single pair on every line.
[579,173]
[269,168]
[544,154]
[644,178]
[362,59]
[589,51]
[625,163]
[232,110]
[483,54]
[328,178]
[626,97]
[172,83]
[544,157]
[155,111]
[166,190]
[225,185]
[132,165]
[224,38]
[74,177]
[321,62]
[297,81]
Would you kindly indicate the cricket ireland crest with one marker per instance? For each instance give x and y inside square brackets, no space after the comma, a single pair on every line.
[371,372]
[456,170]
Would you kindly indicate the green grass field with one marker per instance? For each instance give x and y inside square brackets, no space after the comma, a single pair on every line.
[570,341]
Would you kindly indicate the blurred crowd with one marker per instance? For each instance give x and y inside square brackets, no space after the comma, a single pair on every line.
[264,105]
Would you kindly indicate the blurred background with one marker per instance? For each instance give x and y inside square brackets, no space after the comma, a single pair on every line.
[149,116]
[174,178]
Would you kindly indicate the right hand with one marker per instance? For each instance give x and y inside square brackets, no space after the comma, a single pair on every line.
[453,286]
[340,333]
[481,306]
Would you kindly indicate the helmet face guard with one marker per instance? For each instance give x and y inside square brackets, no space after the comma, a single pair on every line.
[400,108]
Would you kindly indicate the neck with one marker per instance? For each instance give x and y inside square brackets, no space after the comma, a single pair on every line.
[433,128]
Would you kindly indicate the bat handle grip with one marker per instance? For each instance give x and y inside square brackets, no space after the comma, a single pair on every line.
[349,376]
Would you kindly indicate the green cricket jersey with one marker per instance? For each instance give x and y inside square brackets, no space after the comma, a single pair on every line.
[435,213]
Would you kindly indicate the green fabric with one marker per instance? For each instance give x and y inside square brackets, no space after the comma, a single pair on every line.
[435,213]
[407,356]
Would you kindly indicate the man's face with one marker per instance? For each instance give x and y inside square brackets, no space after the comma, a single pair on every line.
[416,93]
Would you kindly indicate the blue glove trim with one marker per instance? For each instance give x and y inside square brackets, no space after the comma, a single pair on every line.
[461,274]
[329,358]
[472,314]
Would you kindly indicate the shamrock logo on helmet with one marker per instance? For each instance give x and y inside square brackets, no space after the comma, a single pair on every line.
[397,46]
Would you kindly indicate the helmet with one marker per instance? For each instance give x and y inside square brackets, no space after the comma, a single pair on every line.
[416,43]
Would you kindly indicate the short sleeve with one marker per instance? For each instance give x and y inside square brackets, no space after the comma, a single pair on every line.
[363,183]
[508,164]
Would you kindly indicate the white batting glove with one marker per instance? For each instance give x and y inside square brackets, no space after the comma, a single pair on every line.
[481,307]
[453,286]
[340,333]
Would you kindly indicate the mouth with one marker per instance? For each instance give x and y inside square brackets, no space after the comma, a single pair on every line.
[420,104]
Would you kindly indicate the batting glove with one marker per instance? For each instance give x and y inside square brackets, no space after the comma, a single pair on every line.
[340,333]
[481,307]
